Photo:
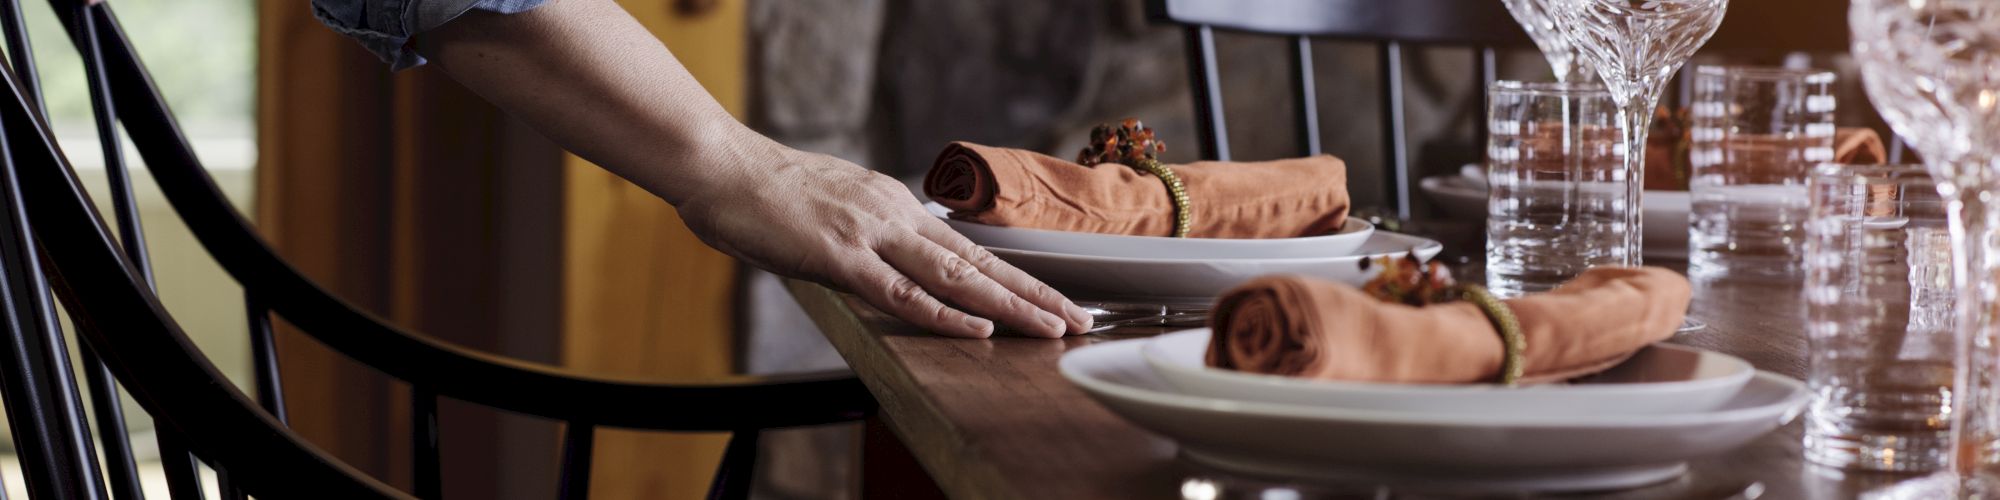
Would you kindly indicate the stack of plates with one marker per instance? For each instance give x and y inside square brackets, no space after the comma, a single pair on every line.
[1635,425]
[1160,270]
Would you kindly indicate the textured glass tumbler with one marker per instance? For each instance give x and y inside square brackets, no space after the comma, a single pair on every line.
[1558,200]
[1756,135]
[1879,319]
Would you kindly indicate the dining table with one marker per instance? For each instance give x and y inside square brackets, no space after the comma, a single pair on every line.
[994,418]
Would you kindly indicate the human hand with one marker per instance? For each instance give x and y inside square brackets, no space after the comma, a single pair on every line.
[823,219]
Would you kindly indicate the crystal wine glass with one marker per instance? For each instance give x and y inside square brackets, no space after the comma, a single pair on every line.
[1636,47]
[1540,24]
[1932,68]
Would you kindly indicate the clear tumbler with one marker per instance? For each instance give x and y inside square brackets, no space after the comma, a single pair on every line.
[1558,198]
[1879,319]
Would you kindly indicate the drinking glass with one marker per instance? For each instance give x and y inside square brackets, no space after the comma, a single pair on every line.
[1636,46]
[1757,133]
[1540,24]
[1932,68]
[1879,319]
[1557,201]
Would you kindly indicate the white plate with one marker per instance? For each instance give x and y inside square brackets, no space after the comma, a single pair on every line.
[1350,237]
[1660,379]
[1197,281]
[1464,199]
[1498,452]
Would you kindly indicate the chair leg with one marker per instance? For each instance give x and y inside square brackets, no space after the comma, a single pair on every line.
[739,465]
[889,470]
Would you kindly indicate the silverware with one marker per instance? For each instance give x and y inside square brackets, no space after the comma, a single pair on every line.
[1188,319]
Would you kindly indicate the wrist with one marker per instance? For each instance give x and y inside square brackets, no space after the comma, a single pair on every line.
[719,158]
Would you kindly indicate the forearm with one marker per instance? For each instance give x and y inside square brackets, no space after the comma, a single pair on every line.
[591,78]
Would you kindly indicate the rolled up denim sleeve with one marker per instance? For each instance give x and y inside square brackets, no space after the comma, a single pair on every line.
[386,26]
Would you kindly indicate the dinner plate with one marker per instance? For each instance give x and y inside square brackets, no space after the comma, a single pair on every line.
[1464,198]
[1197,281]
[1351,237]
[1659,379]
[1481,452]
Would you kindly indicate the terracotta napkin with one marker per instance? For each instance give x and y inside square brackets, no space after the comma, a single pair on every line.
[1859,146]
[1667,165]
[1303,327]
[1017,188]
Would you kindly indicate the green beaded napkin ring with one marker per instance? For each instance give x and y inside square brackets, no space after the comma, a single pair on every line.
[1132,144]
[1513,343]
[1410,281]
[1176,191]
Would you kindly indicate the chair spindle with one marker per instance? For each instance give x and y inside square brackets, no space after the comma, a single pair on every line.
[104,395]
[183,470]
[264,354]
[227,486]
[21,54]
[739,461]
[1212,127]
[574,483]
[1302,61]
[48,424]
[424,434]
[1395,127]
[1487,70]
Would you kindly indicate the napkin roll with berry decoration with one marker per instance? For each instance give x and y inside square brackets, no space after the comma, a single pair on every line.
[1303,327]
[1239,200]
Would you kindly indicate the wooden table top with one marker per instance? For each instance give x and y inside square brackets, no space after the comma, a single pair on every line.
[993,418]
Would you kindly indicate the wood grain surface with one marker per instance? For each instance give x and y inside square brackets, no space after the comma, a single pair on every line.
[993,418]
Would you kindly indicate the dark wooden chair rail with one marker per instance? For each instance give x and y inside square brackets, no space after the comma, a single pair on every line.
[106,287]
[1811,26]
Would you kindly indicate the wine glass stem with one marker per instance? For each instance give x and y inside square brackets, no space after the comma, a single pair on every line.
[1975,261]
[1635,120]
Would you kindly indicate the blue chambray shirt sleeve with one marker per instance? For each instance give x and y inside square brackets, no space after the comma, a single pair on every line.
[385,26]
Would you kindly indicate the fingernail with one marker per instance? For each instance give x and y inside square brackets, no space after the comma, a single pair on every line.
[1079,319]
[1056,327]
[979,326]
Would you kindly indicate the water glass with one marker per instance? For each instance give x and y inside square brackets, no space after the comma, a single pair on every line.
[1756,135]
[1558,201]
[1879,319]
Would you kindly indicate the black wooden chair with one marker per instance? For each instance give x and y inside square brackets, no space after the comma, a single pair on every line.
[47,224]
[1484,25]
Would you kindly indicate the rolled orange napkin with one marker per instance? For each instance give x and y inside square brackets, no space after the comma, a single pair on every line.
[1859,146]
[1667,162]
[1303,327]
[1017,188]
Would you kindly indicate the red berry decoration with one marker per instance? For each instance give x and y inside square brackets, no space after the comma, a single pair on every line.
[1127,143]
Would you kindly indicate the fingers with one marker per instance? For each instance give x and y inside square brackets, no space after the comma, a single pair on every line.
[948,276]
[885,288]
[1020,283]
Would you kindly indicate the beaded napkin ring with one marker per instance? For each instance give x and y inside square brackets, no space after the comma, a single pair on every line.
[1514,344]
[1410,281]
[1132,144]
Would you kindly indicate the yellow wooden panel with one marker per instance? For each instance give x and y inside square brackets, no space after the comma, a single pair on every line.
[643,296]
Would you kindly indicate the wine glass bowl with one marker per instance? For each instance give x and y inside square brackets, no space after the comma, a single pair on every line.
[1540,24]
[1636,46]
[1932,68]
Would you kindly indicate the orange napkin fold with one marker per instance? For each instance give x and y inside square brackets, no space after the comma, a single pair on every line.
[1304,327]
[1247,200]
[1859,146]
[1667,161]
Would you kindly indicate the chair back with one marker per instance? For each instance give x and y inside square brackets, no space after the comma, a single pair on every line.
[49,227]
